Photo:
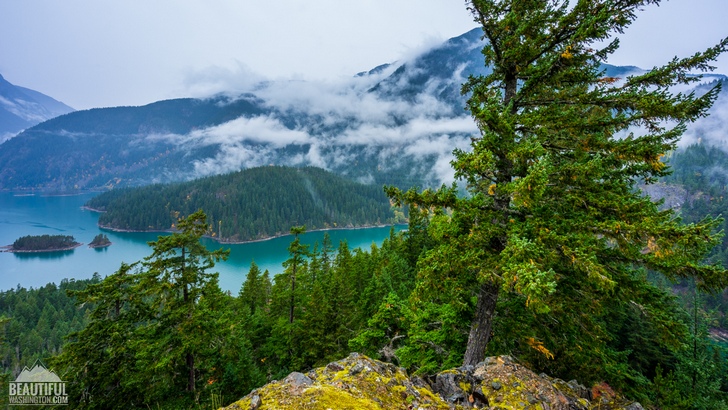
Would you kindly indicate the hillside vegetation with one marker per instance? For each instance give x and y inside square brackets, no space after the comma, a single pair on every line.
[35,322]
[106,147]
[553,256]
[331,300]
[250,204]
[368,301]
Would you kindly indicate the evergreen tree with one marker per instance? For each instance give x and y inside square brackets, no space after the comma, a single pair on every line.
[298,252]
[97,358]
[176,280]
[39,321]
[253,293]
[161,335]
[696,380]
[287,300]
[327,250]
[552,176]
[4,376]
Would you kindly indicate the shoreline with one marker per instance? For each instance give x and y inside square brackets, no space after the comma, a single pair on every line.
[39,192]
[224,242]
[9,249]
[307,231]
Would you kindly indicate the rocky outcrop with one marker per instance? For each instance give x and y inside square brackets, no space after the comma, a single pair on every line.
[501,383]
[359,382]
[673,195]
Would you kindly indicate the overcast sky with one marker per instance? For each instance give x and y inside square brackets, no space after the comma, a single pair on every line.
[97,53]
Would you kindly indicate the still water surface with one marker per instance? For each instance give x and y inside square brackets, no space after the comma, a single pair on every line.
[62,215]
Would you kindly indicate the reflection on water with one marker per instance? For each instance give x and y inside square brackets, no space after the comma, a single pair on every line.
[50,256]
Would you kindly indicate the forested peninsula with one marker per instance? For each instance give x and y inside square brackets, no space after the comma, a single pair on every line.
[252,204]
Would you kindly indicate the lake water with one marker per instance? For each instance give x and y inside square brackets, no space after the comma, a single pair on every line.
[62,215]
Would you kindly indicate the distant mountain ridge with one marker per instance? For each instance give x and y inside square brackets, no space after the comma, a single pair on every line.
[22,108]
[395,124]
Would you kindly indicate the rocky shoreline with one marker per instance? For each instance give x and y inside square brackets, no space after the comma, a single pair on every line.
[228,242]
[10,249]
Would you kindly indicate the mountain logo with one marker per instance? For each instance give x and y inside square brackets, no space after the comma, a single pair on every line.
[37,386]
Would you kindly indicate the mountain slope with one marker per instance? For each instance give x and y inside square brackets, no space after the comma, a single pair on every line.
[371,129]
[22,108]
[97,148]
[439,72]
[395,124]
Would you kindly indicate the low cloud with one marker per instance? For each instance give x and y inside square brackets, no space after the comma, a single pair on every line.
[335,125]
[713,129]
[213,80]
[6,136]
[261,130]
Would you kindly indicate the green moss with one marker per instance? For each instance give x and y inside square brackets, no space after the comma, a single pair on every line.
[330,397]
[428,397]
[376,385]
[399,389]
[360,384]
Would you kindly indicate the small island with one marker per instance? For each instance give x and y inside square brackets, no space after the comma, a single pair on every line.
[44,243]
[100,241]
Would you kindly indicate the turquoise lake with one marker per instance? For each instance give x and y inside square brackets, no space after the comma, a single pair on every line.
[63,215]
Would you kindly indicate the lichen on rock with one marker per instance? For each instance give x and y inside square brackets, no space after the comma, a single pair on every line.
[359,382]
[356,382]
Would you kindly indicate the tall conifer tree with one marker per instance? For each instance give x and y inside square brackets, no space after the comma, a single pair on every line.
[552,176]
[175,280]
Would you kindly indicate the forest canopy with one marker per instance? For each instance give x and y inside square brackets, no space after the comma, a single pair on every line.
[553,256]
[251,204]
[553,208]
[44,243]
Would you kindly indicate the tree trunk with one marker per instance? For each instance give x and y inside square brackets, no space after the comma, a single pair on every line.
[293,292]
[482,322]
[191,375]
[190,306]
[488,296]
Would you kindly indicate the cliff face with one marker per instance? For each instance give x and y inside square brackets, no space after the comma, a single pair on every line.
[359,382]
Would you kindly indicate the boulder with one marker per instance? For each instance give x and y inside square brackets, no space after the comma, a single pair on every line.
[498,383]
[356,382]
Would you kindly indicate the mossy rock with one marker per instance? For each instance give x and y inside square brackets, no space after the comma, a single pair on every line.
[356,382]
[359,382]
[502,383]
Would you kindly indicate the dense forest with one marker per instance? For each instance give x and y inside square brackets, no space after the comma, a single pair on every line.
[250,204]
[134,326]
[40,320]
[331,300]
[701,171]
[553,255]
[35,324]
[44,243]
